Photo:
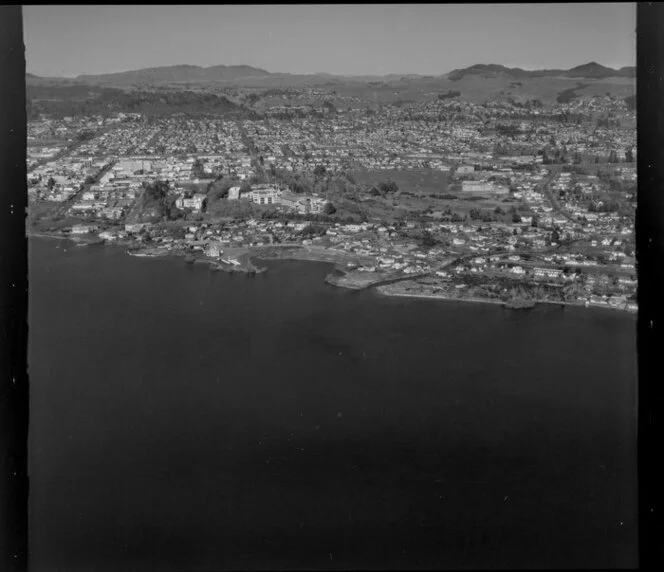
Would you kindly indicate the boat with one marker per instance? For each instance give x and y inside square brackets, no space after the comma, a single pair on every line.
[141,254]
[146,252]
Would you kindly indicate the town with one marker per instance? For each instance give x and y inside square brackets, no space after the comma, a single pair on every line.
[505,201]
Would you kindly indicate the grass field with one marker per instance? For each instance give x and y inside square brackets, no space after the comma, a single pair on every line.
[419,181]
[416,188]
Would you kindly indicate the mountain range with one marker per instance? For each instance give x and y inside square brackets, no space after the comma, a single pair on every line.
[591,70]
[251,76]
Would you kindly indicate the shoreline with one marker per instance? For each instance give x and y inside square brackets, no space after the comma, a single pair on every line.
[45,235]
[475,300]
[313,256]
[443,297]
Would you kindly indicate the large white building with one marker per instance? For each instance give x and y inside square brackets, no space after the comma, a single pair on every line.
[263,196]
[133,165]
[194,203]
[303,204]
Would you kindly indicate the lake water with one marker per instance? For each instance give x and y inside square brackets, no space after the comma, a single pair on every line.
[184,419]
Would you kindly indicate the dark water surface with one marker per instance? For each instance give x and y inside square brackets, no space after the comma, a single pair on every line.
[184,419]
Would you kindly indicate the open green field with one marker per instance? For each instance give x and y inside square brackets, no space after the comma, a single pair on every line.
[415,190]
[419,181]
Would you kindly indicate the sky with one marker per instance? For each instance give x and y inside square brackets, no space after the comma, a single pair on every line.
[350,39]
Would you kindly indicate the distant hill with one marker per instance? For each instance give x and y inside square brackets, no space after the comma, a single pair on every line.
[153,90]
[591,70]
[81,99]
[175,74]
[249,76]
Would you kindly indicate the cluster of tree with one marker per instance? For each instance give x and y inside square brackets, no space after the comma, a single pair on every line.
[155,199]
[384,188]
[198,169]
[608,206]
[313,230]
[106,101]
[569,94]
[329,209]
[449,94]
[444,196]
[489,216]
[296,182]
[274,214]
[252,98]
[615,182]
[613,156]
[85,135]
[453,216]
[529,104]
[329,106]
[559,156]
[631,102]
[218,189]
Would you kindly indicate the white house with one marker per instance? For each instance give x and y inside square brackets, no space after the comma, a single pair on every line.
[234,193]
[194,203]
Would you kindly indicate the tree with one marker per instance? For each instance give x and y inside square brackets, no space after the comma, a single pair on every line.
[428,240]
[51,183]
[516,218]
[629,155]
[319,171]
[245,188]
[329,209]
[388,187]
[197,170]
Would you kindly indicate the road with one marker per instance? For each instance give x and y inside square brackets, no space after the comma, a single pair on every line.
[251,148]
[545,187]
[69,149]
[66,205]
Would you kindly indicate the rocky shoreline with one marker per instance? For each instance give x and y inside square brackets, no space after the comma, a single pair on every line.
[529,304]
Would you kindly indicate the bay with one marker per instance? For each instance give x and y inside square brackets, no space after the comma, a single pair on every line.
[185,419]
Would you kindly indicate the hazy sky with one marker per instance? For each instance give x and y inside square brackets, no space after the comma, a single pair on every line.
[337,39]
